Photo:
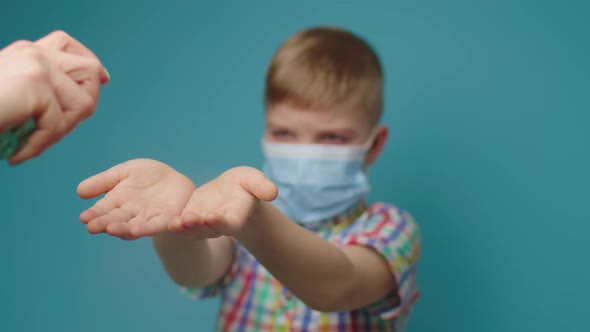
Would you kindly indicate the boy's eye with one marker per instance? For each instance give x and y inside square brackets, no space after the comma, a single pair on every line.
[334,139]
[282,134]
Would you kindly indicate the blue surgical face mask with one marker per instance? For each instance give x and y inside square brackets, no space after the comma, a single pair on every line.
[316,181]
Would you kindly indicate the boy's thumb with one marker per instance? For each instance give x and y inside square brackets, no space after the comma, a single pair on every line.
[257,184]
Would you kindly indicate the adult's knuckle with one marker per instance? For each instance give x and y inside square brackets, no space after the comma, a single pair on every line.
[59,35]
[87,106]
[20,44]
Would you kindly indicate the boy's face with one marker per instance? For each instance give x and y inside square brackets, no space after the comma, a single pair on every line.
[343,124]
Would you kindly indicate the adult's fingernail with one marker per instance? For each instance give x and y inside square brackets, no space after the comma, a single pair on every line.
[106,71]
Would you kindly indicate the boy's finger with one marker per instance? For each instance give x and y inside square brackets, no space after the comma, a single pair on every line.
[122,230]
[151,227]
[100,208]
[176,224]
[102,223]
[98,225]
[256,183]
[102,182]
[190,219]
[206,229]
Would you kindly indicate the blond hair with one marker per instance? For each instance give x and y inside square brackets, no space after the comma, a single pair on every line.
[321,67]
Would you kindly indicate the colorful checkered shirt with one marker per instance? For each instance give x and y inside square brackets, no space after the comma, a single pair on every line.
[253,300]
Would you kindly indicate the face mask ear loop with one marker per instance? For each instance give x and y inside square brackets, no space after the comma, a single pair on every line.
[371,140]
[367,146]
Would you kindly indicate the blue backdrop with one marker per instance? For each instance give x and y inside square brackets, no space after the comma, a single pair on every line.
[488,107]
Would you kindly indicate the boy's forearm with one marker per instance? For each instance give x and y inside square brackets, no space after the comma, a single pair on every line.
[194,263]
[317,272]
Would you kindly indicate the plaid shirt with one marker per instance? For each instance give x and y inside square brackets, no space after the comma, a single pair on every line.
[253,300]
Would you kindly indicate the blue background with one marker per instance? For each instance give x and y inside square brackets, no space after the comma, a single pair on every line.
[488,107]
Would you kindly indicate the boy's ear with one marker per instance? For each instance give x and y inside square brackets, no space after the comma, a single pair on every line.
[377,146]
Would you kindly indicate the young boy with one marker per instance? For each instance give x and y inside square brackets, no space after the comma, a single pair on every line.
[316,258]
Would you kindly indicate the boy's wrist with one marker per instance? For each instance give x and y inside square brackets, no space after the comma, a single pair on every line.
[256,211]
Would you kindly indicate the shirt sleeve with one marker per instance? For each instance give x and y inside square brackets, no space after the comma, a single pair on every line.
[217,287]
[392,233]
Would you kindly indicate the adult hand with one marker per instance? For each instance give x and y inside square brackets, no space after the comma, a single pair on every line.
[54,80]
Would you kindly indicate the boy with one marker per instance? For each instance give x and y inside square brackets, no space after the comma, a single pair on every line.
[316,258]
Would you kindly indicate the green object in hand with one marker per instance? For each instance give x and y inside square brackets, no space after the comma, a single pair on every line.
[13,139]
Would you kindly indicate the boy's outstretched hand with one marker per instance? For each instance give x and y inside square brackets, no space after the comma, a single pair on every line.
[223,205]
[142,197]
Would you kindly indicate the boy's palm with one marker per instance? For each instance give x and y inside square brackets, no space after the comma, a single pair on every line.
[142,197]
[223,205]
